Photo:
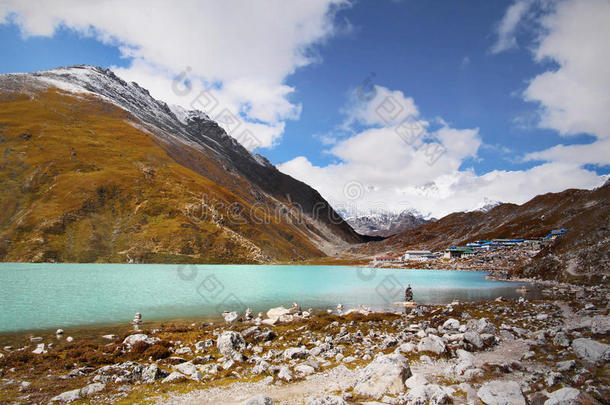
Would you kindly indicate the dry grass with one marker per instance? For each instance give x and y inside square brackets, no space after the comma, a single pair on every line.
[81,184]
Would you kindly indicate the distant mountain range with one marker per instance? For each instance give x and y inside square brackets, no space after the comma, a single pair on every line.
[95,169]
[386,224]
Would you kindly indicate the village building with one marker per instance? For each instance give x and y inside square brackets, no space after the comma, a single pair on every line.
[458,252]
[418,255]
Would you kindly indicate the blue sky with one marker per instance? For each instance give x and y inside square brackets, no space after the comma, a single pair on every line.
[465,66]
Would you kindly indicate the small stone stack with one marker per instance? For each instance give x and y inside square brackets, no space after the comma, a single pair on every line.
[137,319]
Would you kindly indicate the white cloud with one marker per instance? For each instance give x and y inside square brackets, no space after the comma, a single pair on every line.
[507,27]
[246,49]
[378,169]
[575,98]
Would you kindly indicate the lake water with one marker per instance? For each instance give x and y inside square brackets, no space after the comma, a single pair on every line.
[43,296]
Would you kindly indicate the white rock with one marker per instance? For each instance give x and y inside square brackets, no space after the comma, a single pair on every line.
[591,350]
[139,337]
[600,324]
[303,370]
[431,394]
[39,349]
[229,342]
[386,374]
[406,347]
[501,393]
[564,396]
[451,324]
[230,317]
[474,339]
[174,377]
[151,373]
[77,394]
[432,344]
[416,380]
[296,353]
[92,389]
[285,374]
[59,332]
[190,370]
[184,350]
[275,313]
[67,396]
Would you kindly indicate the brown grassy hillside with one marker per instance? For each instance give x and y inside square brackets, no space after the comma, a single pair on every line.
[81,183]
[583,252]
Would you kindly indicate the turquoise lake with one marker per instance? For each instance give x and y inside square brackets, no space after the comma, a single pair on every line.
[44,296]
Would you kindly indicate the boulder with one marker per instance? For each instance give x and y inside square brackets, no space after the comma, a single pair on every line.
[432,344]
[67,396]
[561,339]
[600,325]
[77,394]
[174,377]
[296,353]
[275,313]
[406,347]
[303,370]
[451,324]
[386,374]
[139,337]
[230,317]
[152,373]
[285,374]
[501,393]
[184,350]
[473,339]
[39,349]
[388,342]
[564,396]
[416,380]
[92,389]
[251,332]
[230,342]
[190,370]
[484,326]
[427,394]
[591,350]
[258,400]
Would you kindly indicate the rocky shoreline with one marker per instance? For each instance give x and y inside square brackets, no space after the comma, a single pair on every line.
[555,350]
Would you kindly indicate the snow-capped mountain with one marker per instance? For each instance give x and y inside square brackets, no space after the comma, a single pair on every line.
[387,223]
[86,137]
[486,205]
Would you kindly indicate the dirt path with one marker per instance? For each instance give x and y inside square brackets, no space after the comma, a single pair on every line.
[336,379]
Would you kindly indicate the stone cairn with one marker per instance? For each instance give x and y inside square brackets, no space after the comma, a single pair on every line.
[137,320]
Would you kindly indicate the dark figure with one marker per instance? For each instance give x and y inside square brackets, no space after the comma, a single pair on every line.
[409,294]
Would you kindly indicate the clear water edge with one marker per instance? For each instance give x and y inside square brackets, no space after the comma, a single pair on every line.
[48,296]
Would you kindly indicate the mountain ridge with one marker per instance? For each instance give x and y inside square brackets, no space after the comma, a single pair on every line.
[385,224]
[40,108]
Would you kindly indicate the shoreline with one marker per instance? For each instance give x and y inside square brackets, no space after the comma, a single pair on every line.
[454,350]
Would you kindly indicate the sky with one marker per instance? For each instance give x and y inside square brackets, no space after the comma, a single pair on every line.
[436,106]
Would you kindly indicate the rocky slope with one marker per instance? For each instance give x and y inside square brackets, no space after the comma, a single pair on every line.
[95,169]
[386,224]
[582,253]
